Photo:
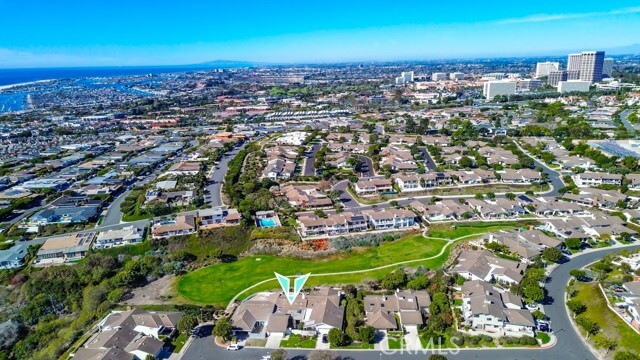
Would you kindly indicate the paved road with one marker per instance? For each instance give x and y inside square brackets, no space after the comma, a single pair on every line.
[114,215]
[216,178]
[428,160]
[310,160]
[569,347]
[624,116]
[367,166]
[348,201]
[555,178]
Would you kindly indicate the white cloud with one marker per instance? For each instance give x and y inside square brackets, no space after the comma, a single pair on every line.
[555,17]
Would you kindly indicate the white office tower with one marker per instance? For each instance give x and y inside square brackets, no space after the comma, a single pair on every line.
[544,68]
[438,76]
[530,84]
[498,87]
[407,76]
[591,65]
[574,62]
[456,76]
[573,75]
[573,86]
[493,76]
[607,68]
[556,76]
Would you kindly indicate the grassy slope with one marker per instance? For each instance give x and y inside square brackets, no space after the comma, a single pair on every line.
[612,326]
[464,229]
[218,284]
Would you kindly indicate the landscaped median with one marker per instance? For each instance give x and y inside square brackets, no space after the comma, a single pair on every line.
[220,283]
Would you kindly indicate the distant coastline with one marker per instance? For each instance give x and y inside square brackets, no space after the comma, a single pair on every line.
[9,86]
[15,77]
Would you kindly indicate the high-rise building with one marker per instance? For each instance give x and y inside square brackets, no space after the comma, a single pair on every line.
[456,76]
[573,86]
[407,75]
[437,76]
[573,75]
[405,78]
[556,76]
[498,87]
[591,65]
[574,62]
[544,68]
[530,84]
[607,68]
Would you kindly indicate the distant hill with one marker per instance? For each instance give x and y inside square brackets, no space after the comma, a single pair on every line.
[228,64]
[624,50]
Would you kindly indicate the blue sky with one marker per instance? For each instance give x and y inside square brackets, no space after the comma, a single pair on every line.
[142,32]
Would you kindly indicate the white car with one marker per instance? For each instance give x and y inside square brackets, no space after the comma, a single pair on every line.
[233,347]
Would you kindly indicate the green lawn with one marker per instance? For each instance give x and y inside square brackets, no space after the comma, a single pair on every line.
[177,343]
[354,345]
[395,343]
[612,326]
[219,283]
[446,231]
[543,337]
[296,341]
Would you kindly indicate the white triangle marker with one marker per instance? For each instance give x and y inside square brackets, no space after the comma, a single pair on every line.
[285,284]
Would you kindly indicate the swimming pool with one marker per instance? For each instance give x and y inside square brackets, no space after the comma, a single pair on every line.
[267,223]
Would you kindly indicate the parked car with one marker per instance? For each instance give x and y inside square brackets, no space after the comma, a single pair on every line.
[233,347]
[325,340]
[543,326]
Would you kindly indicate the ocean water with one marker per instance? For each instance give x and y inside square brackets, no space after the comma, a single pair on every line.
[18,76]
[18,101]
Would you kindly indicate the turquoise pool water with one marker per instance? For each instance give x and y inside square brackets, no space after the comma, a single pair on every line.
[267,223]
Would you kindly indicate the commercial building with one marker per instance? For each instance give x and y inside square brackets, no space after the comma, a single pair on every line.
[438,76]
[591,66]
[456,76]
[574,62]
[493,88]
[607,68]
[405,77]
[573,86]
[573,74]
[556,76]
[544,68]
[530,84]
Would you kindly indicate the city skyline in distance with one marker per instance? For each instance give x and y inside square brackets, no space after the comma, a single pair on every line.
[148,34]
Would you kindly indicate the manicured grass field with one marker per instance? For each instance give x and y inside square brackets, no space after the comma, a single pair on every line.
[446,231]
[612,326]
[296,341]
[218,284]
